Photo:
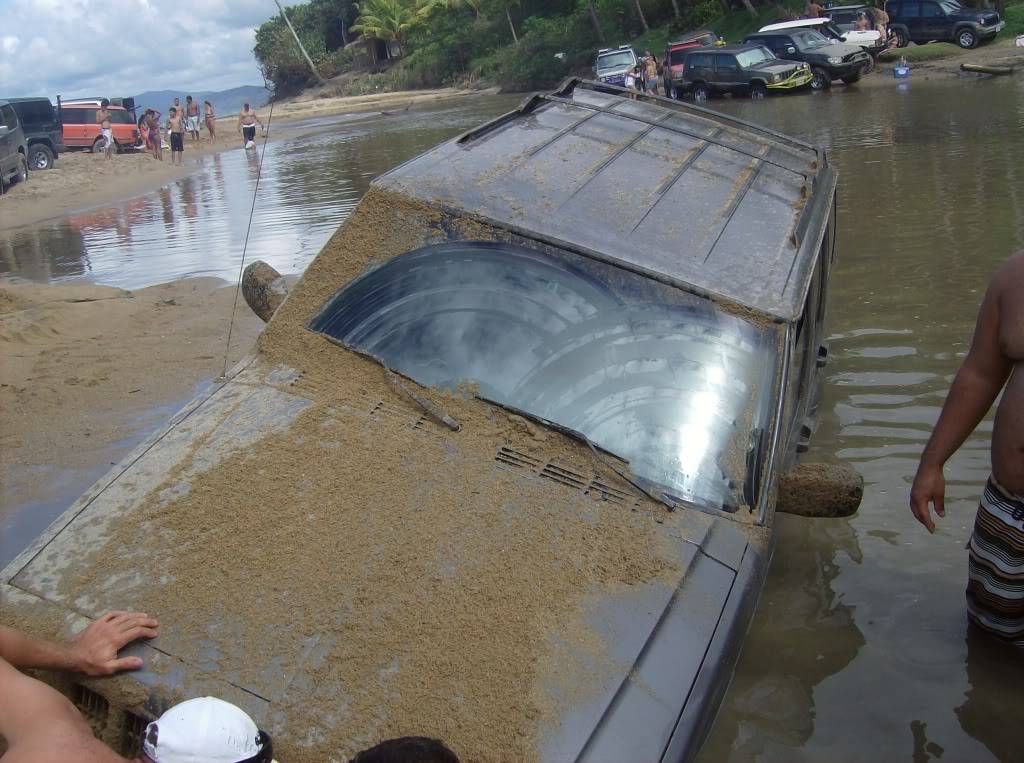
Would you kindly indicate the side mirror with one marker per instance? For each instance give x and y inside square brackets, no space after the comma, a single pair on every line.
[820,490]
[791,49]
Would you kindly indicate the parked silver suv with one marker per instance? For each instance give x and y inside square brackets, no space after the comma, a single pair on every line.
[13,149]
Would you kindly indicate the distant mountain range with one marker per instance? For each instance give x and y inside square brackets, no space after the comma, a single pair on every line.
[224,102]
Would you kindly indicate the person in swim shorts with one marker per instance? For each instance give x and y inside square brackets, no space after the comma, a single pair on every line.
[176,132]
[153,124]
[994,364]
[192,118]
[103,120]
[211,121]
[247,121]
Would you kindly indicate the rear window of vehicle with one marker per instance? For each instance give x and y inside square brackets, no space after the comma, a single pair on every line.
[725,62]
[119,117]
[8,117]
[701,60]
[73,116]
[35,112]
[910,10]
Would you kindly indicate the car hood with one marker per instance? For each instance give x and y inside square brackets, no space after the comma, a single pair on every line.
[839,49]
[222,527]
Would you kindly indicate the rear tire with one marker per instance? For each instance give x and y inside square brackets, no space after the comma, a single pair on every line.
[22,176]
[819,79]
[40,157]
[700,92]
[758,91]
[966,38]
[99,145]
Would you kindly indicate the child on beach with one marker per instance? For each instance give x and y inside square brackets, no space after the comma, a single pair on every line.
[176,132]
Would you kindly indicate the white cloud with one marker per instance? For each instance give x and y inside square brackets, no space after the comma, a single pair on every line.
[125,47]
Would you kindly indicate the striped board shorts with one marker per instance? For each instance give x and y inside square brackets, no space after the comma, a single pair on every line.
[995,578]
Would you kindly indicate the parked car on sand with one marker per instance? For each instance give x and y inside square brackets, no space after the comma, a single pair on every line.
[827,61]
[505,464]
[13,148]
[738,69]
[612,64]
[944,20]
[82,131]
[42,130]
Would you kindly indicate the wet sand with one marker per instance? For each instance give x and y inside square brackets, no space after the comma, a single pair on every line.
[89,370]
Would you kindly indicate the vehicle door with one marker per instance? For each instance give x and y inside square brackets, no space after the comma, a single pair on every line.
[782,46]
[8,147]
[699,66]
[728,74]
[911,18]
[74,125]
[933,23]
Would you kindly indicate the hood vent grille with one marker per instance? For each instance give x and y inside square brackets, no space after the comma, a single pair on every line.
[514,460]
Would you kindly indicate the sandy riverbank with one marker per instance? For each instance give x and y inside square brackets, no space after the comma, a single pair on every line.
[87,369]
[81,180]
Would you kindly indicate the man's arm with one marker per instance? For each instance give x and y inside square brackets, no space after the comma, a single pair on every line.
[93,651]
[40,725]
[977,383]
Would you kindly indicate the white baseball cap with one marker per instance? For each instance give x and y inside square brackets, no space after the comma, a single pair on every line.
[206,730]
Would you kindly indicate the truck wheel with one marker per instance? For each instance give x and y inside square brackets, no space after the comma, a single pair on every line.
[40,157]
[966,38]
[22,176]
[700,92]
[902,40]
[819,79]
[850,79]
[758,91]
[99,145]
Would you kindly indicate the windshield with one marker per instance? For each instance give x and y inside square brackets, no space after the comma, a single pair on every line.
[809,39]
[950,7]
[659,377]
[616,60]
[754,57]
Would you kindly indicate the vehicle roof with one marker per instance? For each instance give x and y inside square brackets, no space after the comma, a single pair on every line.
[768,33]
[845,7]
[90,102]
[697,199]
[28,99]
[793,25]
[737,47]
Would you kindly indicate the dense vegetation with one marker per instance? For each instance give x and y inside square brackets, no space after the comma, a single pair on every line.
[517,44]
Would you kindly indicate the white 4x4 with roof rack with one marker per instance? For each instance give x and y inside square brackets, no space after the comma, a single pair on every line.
[871,40]
[612,64]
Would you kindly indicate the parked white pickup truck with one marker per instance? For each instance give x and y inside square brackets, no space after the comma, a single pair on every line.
[871,40]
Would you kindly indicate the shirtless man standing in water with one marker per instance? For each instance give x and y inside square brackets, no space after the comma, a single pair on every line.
[995,587]
[247,121]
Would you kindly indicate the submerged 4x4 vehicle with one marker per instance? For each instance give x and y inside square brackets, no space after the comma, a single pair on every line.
[828,61]
[611,64]
[505,466]
[926,20]
[739,69]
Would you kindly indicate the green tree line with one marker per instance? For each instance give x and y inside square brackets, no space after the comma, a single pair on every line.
[519,44]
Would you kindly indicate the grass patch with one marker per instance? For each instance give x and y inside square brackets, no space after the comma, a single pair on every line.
[738,24]
[930,52]
[1014,22]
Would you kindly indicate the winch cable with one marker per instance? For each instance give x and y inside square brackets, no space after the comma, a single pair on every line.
[248,228]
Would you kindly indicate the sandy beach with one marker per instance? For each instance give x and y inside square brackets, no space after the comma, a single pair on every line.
[86,368]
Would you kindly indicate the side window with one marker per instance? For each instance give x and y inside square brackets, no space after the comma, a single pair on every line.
[724,63]
[893,9]
[700,61]
[119,117]
[931,10]
[10,119]
[911,10]
[73,116]
[89,116]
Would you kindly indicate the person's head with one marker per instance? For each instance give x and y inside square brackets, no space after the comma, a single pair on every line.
[172,111]
[647,53]
[205,728]
[245,107]
[407,750]
[208,103]
[188,99]
[104,103]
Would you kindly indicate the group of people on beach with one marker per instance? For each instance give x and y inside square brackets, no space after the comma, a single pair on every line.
[185,119]
[645,75]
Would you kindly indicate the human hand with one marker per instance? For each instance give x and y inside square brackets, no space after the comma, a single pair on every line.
[94,650]
[929,487]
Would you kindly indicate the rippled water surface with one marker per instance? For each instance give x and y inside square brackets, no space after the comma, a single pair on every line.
[859,650]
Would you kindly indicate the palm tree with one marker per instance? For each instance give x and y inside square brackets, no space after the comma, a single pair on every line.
[387,20]
[594,21]
[643,19]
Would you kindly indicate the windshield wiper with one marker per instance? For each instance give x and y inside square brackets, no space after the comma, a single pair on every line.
[656,494]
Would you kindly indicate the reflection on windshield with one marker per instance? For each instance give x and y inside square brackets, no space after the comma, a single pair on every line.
[615,61]
[659,377]
[754,57]
[809,40]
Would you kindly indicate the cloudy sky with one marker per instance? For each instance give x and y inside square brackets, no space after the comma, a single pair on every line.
[125,47]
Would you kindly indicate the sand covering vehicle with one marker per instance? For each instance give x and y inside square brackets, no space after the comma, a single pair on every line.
[505,465]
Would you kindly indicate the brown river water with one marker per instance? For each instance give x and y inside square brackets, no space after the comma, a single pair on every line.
[859,650]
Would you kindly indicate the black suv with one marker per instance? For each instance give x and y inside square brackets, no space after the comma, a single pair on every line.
[42,128]
[742,69]
[946,20]
[828,60]
[13,150]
